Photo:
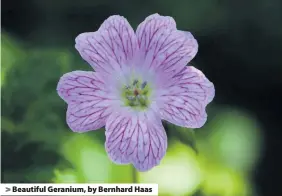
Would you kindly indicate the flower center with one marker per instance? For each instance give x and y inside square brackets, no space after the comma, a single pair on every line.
[136,94]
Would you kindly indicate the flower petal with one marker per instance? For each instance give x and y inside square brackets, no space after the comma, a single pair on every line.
[89,102]
[183,102]
[162,46]
[137,138]
[111,47]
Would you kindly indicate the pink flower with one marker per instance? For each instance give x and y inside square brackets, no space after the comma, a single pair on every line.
[140,79]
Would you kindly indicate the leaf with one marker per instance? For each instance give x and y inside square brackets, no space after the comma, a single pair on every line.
[184,135]
[66,176]
[199,193]
[34,175]
[7,125]
[88,157]
[11,54]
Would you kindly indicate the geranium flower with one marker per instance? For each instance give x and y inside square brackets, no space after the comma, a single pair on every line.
[140,79]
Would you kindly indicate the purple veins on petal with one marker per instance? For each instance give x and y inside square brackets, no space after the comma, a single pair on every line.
[141,140]
[85,92]
[184,101]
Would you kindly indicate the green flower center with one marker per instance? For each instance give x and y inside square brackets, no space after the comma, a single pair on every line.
[136,93]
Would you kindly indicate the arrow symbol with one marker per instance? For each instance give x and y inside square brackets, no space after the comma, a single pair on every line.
[7,189]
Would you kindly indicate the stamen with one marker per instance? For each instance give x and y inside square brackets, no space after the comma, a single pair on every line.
[135,82]
[136,94]
[143,85]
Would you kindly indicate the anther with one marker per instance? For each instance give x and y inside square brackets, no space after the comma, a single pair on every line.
[127,87]
[143,85]
[135,82]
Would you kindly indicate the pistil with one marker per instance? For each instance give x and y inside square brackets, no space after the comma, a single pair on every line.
[136,94]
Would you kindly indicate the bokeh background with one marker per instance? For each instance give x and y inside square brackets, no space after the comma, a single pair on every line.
[238,151]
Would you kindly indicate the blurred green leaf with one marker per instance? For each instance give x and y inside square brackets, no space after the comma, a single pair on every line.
[11,53]
[122,174]
[190,14]
[7,125]
[88,158]
[179,162]
[200,193]
[225,182]
[66,176]
[184,135]
[232,139]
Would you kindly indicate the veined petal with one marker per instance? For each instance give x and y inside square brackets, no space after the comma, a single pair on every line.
[89,103]
[111,47]
[190,36]
[137,138]
[183,102]
[162,46]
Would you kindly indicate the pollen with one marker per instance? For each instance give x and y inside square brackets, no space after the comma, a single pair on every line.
[136,94]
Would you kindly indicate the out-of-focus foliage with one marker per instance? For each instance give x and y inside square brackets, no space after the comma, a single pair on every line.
[230,147]
[181,165]
[10,54]
[33,123]
[235,140]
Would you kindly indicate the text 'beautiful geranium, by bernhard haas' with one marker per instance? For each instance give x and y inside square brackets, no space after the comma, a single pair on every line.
[140,79]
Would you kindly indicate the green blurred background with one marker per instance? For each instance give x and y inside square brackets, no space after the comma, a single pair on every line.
[238,150]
